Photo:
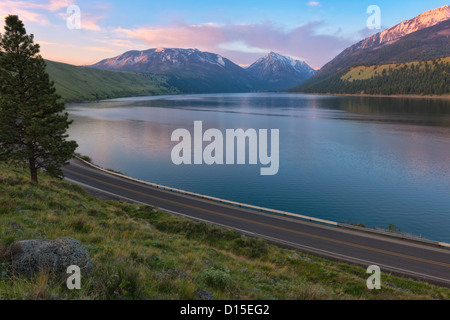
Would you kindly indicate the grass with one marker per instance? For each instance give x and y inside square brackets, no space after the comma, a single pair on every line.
[74,83]
[367,72]
[140,252]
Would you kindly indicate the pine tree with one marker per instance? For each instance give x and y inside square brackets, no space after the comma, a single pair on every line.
[33,121]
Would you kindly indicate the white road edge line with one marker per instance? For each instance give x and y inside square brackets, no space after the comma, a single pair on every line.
[295,215]
[248,206]
[348,258]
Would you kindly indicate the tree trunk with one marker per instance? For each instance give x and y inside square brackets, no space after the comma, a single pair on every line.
[33,171]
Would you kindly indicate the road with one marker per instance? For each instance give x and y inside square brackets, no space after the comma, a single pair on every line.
[413,259]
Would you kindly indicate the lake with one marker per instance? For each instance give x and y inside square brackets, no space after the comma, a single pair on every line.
[376,161]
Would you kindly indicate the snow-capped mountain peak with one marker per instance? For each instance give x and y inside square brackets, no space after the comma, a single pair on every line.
[273,56]
[279,69]
[424,20]
[196,70]
[149,59]
[275,60]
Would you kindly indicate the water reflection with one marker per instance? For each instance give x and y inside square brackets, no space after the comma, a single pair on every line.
[372,160]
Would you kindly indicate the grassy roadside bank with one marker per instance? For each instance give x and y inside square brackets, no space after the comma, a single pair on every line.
[142,253]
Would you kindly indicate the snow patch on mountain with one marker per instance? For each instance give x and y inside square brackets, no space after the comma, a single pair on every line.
[424,20]
[281,72]
[276,64]
[168,56]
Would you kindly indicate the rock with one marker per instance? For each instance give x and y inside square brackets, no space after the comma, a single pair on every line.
[299,257]
[204,295]
[54,256]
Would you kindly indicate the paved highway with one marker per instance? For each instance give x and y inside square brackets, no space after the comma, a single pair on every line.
[413,259]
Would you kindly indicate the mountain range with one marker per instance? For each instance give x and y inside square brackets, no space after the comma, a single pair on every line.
[195,71]
[387,62]
[425,37]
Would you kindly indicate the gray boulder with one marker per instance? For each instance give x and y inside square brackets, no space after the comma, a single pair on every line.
[54,256]
[299,257]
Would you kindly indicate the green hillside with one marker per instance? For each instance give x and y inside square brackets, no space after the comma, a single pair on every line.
[417,78]
[140,252]
[427,44]
[75,83]
[430,43]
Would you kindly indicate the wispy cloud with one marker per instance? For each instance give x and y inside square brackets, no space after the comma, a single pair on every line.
[46,43]
[19,8]
[40,13]
[56,5]
[88,21]
[243,43]
[32,11]
[99,49]
[313,3]
[181,35]
[241,46]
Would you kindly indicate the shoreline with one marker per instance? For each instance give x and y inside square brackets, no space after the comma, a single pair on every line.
[362,228]
[398,96]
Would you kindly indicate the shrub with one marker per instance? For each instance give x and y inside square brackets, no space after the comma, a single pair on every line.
[250,247]
[118,281]
[81,225]
[217,279]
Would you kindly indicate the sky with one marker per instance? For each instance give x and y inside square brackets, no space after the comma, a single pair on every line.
[83,32]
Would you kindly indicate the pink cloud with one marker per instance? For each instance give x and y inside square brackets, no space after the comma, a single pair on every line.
[88,22]
[31,11]
[56,5]
[253,40]
[19,8]
[99,49]
[91,23]
[241,43]
[175,36]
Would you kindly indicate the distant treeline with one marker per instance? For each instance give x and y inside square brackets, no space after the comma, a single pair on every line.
[422,78]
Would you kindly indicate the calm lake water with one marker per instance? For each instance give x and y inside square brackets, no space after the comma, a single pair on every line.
[376,161]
